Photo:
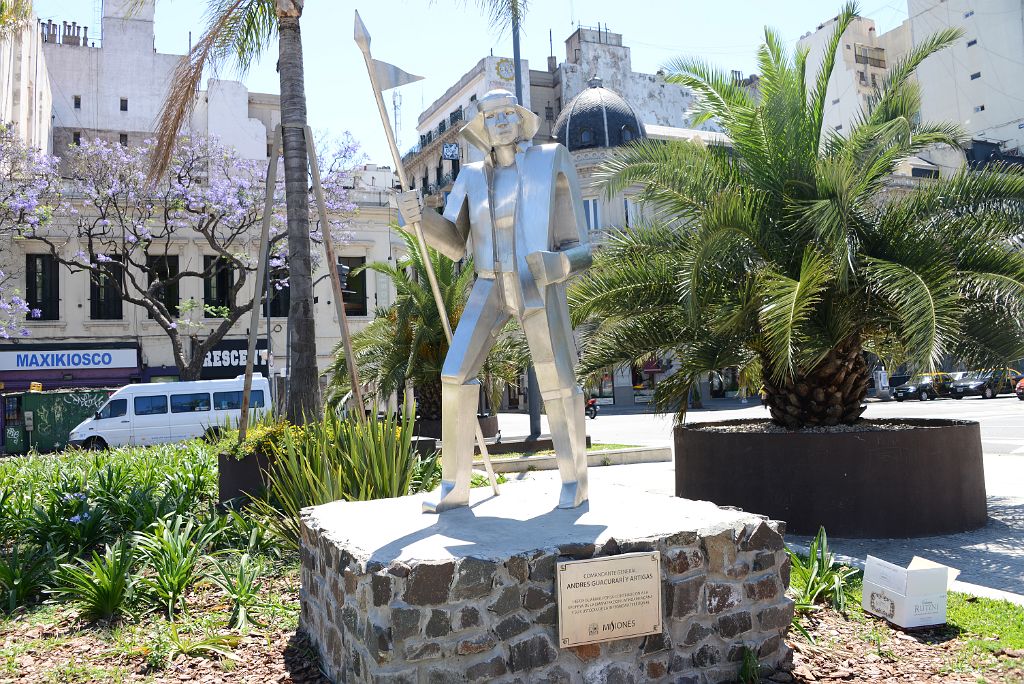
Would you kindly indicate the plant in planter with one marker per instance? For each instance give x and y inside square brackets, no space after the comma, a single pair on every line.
[405,342]
[788,255]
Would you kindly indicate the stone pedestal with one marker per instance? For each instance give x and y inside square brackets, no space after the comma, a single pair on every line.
[390,594]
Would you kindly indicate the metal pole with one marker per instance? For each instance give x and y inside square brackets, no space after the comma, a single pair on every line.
[424,254]
[332,269]
[270,346]
[262,258]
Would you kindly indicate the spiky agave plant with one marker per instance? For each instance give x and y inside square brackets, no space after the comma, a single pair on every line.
[784,253]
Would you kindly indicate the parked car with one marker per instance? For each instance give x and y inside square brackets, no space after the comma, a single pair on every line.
[154,413]
[924,386]
[1020,389]
[986,383]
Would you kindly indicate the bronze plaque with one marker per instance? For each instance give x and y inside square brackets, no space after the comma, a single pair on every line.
[602,599]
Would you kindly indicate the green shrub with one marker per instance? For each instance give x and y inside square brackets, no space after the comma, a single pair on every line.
[264,436]
[171,552]
[24,572]
[103,587]
[819,579]
[339,459]
[240,582]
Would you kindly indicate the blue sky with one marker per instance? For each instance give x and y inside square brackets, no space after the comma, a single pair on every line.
[442,39]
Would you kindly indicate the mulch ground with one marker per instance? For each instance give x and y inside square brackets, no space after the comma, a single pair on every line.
[863,648]
[53,647]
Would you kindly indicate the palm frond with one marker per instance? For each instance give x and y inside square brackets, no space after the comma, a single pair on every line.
[818,98]
[787,306]
[239,30]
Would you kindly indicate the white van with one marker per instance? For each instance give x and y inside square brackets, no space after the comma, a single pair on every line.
[155,413]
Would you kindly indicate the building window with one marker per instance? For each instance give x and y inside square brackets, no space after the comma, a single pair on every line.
[76,138]
[587,137]
[972,42]
[630,210]
[592,210]
[979,108]
[105,302]
[835,101]
[217,284]
[874,80]
[279,299]
[78,101]
[867,54]
[42,286]
[354,294]
[124,104]
[628,133]
[123,139]
[549,113]
[162,269]
[976,75]
[838,127]
[968,13]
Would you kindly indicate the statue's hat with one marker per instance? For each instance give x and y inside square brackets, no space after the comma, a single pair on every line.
[475,132]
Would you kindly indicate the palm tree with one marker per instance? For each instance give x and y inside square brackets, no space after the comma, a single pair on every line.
[13,15]
[240,31]
[786,256]
[405,341]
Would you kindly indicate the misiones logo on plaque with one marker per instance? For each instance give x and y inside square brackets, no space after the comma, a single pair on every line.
[602,599]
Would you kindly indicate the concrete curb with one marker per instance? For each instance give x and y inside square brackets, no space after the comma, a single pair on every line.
[594,459]
[958,586]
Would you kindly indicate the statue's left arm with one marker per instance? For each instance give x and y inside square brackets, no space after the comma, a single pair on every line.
[572,252]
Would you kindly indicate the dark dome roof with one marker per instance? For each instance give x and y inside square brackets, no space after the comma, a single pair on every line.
[597,117]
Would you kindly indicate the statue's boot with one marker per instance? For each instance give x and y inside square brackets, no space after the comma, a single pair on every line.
[568,433]
[458,431]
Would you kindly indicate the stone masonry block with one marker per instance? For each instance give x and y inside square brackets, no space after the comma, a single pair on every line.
[721,597]
[470,595]
[429,583]
[761,537]
[684,597]
[474,579]
[531,653]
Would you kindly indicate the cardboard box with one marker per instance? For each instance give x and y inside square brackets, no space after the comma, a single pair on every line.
[914,596]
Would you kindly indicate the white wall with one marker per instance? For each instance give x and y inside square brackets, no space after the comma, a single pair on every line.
[222,111]
[127,66]
[948,91]
[847,93]
[25,97]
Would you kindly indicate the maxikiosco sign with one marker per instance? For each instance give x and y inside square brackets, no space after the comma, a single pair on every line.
[70,359]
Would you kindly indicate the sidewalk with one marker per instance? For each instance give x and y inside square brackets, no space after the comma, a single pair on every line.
[991,557]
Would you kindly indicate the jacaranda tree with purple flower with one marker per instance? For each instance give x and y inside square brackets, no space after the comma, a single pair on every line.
[126,233]
[29,186]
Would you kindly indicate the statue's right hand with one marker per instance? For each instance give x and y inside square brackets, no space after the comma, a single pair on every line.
[410,206]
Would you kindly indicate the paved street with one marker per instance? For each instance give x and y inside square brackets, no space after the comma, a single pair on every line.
[991,557]
[1002,420]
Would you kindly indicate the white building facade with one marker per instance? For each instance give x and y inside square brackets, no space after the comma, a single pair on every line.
[25,96]
[112,87]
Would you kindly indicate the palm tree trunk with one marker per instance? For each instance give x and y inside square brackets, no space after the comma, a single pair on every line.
[428,400]
[831,394]
[303,385]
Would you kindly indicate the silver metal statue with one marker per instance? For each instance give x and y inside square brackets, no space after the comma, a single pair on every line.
[521,209]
